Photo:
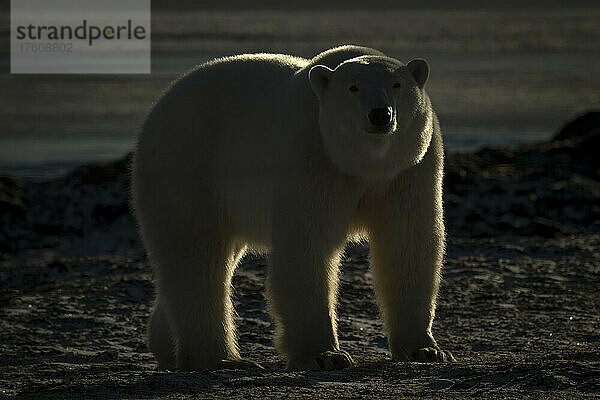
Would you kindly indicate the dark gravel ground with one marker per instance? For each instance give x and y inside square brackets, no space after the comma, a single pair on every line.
[522,317]
[519,305]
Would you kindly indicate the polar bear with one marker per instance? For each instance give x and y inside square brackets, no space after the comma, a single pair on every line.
[276,153]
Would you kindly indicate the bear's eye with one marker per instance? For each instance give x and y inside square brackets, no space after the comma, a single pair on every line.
[396,85]
[353,88]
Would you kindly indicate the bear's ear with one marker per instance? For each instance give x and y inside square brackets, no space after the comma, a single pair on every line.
[419,68]
[319,76]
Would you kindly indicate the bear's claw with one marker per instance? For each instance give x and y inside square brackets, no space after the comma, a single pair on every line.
[325,361]
[330,360]
[427,354]
[240,363]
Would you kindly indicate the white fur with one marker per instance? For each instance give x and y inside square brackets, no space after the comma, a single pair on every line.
[248,151]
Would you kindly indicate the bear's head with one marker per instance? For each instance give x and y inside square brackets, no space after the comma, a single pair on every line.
[374,116]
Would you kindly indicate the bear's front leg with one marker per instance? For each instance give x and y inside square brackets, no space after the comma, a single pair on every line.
[302,288]
[407,246]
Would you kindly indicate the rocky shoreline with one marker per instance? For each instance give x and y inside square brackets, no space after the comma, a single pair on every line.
[548,190]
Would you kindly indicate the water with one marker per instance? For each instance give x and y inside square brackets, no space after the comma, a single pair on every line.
[50,157]
[40,157]
[498,77]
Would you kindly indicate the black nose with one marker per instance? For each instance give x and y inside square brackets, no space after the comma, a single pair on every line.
[380,117]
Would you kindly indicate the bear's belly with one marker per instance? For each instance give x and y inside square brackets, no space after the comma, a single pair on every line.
[248,208]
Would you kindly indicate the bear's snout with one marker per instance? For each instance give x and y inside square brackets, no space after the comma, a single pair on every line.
[380,117]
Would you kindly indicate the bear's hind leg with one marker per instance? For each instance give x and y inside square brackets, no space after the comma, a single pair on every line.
[194,281]
[159,340]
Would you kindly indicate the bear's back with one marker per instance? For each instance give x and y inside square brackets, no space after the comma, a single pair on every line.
[241,73]
[224,101]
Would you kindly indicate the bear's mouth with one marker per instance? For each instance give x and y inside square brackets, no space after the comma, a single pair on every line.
[381,131]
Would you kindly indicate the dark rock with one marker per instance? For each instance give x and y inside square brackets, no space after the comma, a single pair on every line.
[547,228]
[579,127]
[588,148]
[12,196]
[490,155]
[95,174]
[460,168]
[107,213]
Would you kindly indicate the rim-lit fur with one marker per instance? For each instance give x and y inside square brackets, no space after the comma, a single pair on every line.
[247,153]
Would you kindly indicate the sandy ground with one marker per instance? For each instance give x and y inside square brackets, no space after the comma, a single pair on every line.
[519,304]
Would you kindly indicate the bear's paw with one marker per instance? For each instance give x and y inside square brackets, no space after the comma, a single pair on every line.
[325,361]
[426,354]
